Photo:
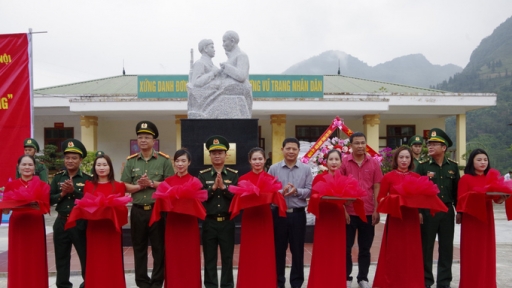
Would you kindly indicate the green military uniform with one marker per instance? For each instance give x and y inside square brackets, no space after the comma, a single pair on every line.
[40,170]
[64,239]
[157,168]
[416,139]
[446,176]
[218,229]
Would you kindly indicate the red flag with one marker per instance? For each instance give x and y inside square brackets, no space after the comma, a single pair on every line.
[15,100]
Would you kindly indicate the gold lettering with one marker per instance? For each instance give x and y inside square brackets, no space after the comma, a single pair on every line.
[181,86]
[165,86]
[256,85]
[4,103]
[147,86]
[266,85]
[316,85]
[6,59]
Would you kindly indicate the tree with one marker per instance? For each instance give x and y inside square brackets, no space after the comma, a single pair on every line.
[51,158]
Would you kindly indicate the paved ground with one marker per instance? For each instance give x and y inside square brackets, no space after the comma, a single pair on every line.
[503,245]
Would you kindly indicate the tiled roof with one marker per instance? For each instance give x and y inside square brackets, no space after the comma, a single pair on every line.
[333,84]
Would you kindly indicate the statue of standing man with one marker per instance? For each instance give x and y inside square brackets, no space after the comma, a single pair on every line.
[220,93]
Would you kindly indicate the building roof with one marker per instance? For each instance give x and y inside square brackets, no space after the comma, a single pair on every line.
[126,85]
[123,85]
[340,85]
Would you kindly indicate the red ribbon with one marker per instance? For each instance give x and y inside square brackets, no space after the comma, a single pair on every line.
[340,186]
[266,191]
[184,199]
[36,194]
[99,207]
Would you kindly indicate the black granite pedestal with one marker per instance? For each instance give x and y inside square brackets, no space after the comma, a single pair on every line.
[243,132]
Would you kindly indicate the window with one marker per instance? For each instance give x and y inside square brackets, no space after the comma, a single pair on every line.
[397,135]
[309,133]
[55,136]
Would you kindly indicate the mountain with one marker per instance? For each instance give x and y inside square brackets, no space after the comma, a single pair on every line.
[414,70]
[489,71]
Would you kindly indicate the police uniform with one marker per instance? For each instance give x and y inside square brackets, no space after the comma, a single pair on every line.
[446,176]
[416,139]
[218,229]
[63,239]
[157,168]
[40,170]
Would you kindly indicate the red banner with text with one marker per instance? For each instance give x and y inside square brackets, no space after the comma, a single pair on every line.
[15,101]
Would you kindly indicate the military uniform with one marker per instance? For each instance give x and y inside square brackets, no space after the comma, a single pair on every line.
[40,170]
[218,229]
[157,168]
[446,176]
[64,239]
[416,139]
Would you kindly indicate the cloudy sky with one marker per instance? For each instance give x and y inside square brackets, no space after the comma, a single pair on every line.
[90,39]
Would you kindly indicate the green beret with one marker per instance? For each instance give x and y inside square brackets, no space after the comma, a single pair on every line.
[31,142]
[416,139]
[74,146]
[217,142]
[99,153]
[438,135]
[147,127]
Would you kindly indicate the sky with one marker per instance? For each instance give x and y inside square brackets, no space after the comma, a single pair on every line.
[91,39]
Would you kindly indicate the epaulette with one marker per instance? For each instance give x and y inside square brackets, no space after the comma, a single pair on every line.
[232,170]
[163,154]
[453,161]
[131,156]
[60,172]
[205,170]
[423,161]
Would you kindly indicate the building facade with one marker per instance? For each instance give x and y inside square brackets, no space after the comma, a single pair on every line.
[102,113]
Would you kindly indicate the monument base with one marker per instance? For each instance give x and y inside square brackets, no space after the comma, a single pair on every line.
[242,132]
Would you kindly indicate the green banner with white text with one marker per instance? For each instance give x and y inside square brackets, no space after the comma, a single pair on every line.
[263,86]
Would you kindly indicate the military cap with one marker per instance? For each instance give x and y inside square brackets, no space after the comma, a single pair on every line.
[217,142]
[31,142]
[74,146]
[99,153]
[147,127]
[416,139]
[438,135]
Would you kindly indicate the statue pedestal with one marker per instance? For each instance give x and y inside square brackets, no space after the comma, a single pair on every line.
[242,132]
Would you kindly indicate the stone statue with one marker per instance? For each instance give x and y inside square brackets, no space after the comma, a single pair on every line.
[220,93]
[203,71]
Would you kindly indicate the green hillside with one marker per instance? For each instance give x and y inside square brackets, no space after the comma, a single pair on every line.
[489,71]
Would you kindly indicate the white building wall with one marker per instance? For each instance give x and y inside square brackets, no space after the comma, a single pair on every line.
[114,137]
